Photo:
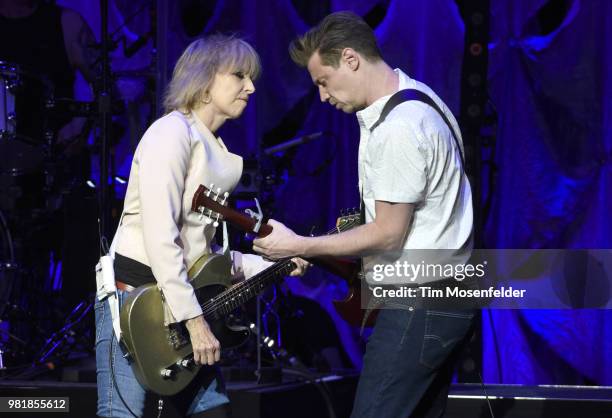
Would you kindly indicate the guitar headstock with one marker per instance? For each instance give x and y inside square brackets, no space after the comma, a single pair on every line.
[209,204]
[214,207]
[348,219]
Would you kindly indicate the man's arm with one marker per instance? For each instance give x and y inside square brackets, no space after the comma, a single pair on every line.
[80,44]
[387,232]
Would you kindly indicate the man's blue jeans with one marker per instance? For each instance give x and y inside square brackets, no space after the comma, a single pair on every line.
[207,391]
[409,362]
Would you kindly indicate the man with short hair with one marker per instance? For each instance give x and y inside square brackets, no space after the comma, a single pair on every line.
[415,195]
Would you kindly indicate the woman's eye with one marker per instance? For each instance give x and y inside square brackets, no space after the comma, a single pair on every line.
[239,74]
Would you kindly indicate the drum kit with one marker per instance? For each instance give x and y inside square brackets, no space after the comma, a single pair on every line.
[32,187]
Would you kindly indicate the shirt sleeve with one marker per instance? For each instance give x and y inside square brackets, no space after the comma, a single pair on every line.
[165,152]
[397,166]
[246,266]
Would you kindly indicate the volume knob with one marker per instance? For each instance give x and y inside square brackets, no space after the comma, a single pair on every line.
[187,363]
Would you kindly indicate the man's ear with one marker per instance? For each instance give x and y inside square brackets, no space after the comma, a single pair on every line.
[351,58]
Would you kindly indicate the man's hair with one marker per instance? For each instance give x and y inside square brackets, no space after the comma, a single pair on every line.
[196,68]
[337,31]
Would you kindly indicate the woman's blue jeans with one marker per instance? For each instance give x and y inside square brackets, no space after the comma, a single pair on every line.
[207,393]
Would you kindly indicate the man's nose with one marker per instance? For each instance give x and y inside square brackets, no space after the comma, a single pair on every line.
[323,94]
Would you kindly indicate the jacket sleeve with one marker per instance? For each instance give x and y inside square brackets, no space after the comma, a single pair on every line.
[164,156]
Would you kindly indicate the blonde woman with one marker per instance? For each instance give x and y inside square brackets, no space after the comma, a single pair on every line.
[159,238]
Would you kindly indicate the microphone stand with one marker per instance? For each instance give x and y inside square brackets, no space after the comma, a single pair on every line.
[104,118]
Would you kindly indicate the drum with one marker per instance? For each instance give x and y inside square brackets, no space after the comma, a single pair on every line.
[23,97]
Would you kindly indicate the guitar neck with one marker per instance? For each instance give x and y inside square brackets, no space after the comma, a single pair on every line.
[235,296]
[346,269]
[248,224]
[202,199]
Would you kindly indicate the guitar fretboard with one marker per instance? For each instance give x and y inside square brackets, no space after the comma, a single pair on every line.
[227,301]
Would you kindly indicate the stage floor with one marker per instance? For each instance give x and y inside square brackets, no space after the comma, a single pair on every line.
[295,399]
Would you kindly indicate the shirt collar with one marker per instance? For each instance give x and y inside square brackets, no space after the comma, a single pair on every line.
[367,117]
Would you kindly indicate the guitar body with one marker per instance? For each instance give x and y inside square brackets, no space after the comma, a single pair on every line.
[350,308]
[161,356]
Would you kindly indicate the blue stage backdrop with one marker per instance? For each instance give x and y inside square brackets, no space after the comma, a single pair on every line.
[551,89]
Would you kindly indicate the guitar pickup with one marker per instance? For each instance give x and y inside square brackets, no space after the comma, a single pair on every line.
[177,337]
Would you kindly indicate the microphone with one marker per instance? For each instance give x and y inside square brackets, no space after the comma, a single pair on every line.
[292,143]
[135,46]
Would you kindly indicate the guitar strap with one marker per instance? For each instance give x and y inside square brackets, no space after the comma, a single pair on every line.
[226,250]
[398,98]
[416,95]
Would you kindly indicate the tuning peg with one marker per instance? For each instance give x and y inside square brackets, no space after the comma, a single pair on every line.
[225,196]
[210,188]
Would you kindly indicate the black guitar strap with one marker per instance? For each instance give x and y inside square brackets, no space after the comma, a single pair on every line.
[417,95]
[405,96]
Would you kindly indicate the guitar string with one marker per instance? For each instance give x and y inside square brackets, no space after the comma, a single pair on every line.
[243,289]
[235,294]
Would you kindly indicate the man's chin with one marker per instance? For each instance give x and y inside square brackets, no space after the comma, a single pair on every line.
[345,108]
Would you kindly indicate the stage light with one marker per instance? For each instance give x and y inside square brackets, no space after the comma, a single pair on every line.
[476,49]
[90,183]
[120,180]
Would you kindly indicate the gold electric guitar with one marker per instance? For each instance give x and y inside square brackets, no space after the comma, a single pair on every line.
[161,356]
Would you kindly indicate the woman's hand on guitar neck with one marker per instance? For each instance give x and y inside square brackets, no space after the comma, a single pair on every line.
[206,347]
[301,268]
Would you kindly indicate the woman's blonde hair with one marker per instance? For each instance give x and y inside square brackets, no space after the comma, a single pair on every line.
[195,70]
